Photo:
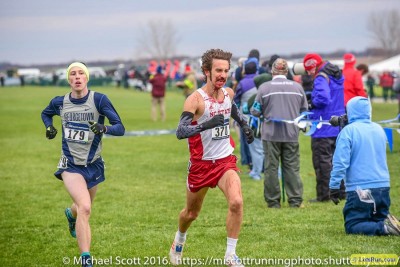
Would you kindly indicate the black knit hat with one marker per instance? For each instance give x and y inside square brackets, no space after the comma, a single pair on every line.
[272,60]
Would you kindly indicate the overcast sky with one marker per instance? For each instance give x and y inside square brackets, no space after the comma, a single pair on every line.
[52,31]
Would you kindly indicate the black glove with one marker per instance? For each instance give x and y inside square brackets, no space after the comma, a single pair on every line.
[334,195]
[249,134]
[97,128]
[217,120]
[51,132]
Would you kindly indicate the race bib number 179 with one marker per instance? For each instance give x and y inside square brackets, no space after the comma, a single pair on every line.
[76,132]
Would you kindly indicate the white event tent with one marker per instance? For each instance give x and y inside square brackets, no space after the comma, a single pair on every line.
[390,64]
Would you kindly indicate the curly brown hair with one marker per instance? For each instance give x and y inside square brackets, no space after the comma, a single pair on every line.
[209,55]
[363,68]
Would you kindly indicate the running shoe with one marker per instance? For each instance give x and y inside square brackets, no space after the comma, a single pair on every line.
[233,261]
[71,222]
[175,253]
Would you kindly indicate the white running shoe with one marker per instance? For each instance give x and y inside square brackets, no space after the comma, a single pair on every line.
[233,261]
[175,253]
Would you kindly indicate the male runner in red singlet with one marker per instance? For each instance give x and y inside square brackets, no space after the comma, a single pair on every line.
[205,122]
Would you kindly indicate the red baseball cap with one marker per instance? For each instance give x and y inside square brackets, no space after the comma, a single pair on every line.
[311,61]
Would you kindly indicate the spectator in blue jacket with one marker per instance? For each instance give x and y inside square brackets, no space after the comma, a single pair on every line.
[367,178]
[327,99]
[244,90]
[254,55]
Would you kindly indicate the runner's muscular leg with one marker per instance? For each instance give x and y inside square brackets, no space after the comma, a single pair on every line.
[194,202]
[92,192]
[82,198]
[231,187]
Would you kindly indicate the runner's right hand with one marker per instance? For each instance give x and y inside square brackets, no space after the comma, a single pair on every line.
[51,132]
[217,120]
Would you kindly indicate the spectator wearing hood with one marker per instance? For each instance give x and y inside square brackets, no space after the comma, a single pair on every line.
[254,55]
[327,99]
[244,90]
[353,84]
[367,178]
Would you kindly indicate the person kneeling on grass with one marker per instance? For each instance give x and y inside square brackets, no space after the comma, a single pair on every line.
[360,159]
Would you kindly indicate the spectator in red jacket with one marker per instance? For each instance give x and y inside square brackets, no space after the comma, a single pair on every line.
[158,92]
[386,81]
[353,84]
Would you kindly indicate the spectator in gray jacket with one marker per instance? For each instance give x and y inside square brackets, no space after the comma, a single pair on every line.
[284,99]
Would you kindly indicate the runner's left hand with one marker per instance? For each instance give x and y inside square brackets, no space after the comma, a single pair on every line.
[249,134]
[97,128]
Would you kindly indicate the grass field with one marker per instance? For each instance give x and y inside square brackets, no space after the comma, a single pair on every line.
[134,217]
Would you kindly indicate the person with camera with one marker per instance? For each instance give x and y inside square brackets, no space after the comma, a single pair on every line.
[285,99]
[205,123]
[81,166]
[367,178]
[327,100]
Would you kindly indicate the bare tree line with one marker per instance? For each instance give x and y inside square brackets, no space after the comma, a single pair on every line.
[159,39]
[384,27]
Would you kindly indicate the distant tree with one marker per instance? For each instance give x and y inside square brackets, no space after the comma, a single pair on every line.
[158,39]
[385,29]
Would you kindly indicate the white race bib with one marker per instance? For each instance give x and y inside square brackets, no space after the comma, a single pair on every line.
[63,163]
[76,132]
[221,132]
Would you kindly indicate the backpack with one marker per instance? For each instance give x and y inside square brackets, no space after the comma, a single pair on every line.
[255,124]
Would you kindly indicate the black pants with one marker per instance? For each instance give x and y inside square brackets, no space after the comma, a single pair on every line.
[322,154]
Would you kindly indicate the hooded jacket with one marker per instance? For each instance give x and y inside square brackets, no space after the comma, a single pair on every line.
[246,87]
[353,85]
[327,98]
[360,155]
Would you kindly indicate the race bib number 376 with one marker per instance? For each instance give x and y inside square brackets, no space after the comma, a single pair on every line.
[76,132]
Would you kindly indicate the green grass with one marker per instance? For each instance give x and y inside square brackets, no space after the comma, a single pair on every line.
[135,212]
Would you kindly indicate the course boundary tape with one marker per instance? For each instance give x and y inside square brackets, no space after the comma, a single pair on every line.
[145,133]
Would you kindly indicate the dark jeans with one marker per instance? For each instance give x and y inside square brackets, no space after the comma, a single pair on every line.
[322,154]
[386,91]
[371,91]
[245,156]
[359,217]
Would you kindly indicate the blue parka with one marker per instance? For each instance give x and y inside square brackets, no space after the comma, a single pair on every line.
[327,98]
